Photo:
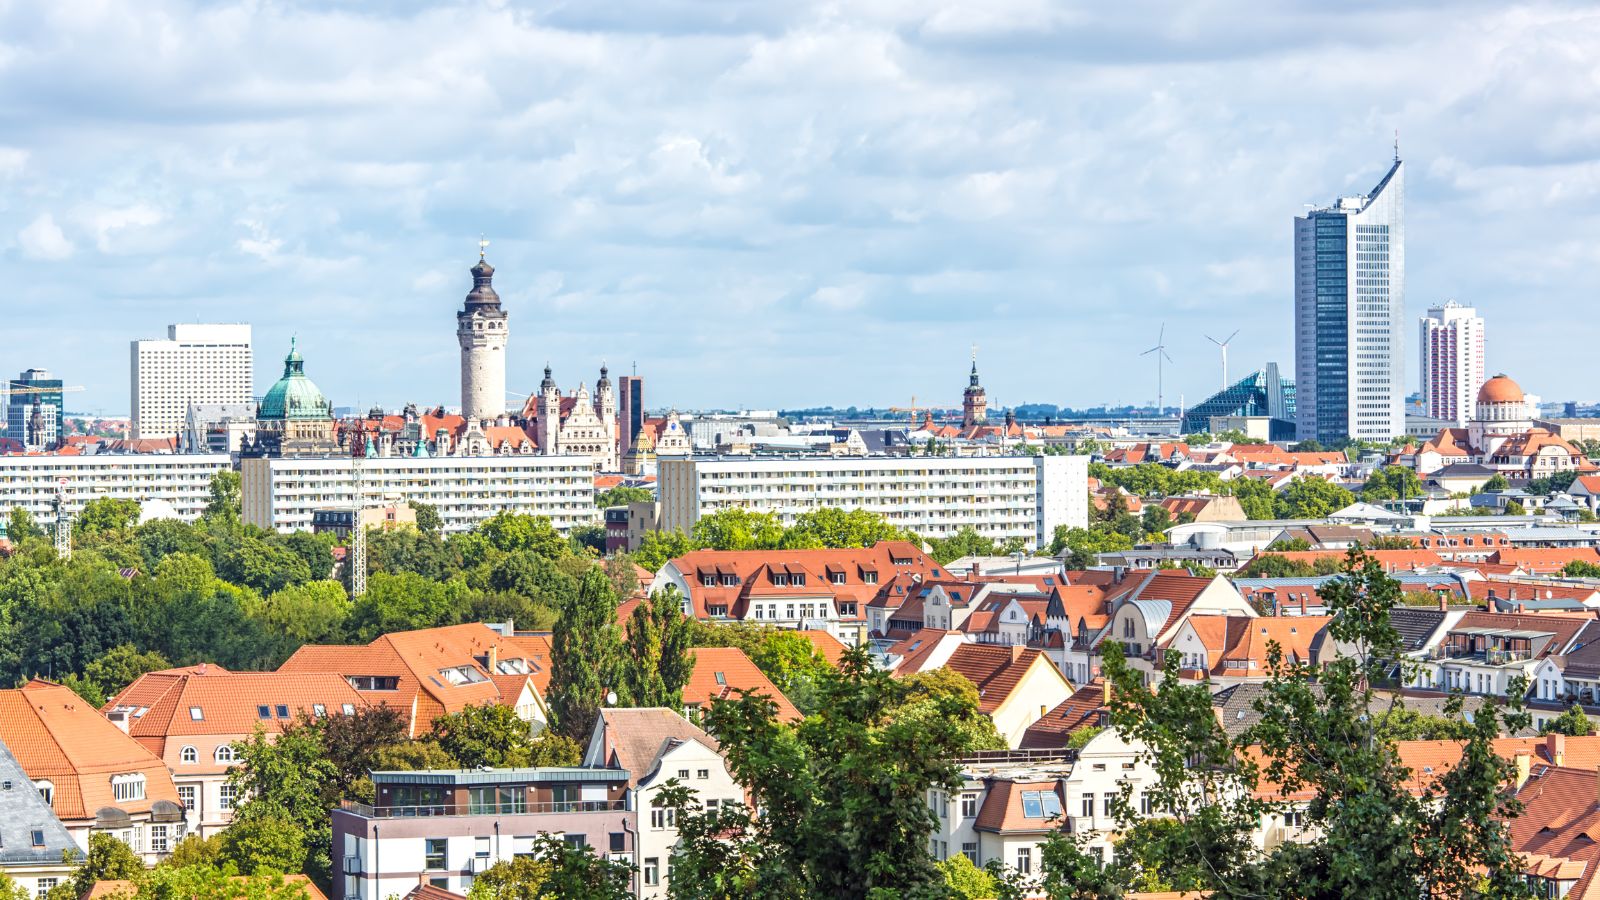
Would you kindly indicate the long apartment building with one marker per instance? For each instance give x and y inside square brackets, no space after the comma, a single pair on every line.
[1000,497]
[184,481]
[283,493]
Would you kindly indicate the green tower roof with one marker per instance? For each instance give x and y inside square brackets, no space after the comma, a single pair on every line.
[294,396]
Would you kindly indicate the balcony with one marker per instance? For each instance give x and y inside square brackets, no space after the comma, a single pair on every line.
[368,811]
[1490,656]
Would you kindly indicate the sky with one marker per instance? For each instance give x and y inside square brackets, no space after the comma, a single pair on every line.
[780,204]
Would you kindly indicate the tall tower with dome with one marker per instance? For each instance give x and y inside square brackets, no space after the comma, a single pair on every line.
[974,402]
[481,330]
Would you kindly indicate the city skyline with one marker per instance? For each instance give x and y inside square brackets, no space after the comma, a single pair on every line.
[714,199]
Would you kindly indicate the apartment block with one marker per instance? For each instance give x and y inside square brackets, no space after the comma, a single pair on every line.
[285,493]
[196,364]
[1001,497]
[184,481]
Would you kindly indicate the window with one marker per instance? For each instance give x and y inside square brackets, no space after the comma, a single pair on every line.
[226,795]
[1025,860]
[652,870]
[38,837]
[578,841]
[349,709]
[186,795]
[969,805]
[127,787]
[283,711]
[683,774]
[1147,803]
[225,753]
[663,818]
[1294,818]
[703,774]
[1088,806]
[433,852]
[46,885]
[189,755]
[970,851]
[480,847]
[1106,801]
[838,578]
[197,714]
[158,838]
[263,712]
[319,710]
[619,841]
[47,790]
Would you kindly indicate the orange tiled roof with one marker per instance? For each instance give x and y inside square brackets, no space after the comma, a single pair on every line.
[1002,809]
[228,703]
[867,574]
[1082,710]
[721,671]
[55,735]
[831,648]
[1544,560]
[105,890]
[995,670]
[1390,560]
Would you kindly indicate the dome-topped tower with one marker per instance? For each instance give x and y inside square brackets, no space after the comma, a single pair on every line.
[294,397]
[1502,410]
[481,329]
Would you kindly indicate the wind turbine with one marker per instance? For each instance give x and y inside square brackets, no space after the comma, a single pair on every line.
[1224,345]
[1160,350]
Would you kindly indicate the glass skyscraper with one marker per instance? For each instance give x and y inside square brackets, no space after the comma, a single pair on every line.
[1349,314]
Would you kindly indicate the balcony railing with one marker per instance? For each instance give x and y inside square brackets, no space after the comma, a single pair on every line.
[1493,657]
[563,807]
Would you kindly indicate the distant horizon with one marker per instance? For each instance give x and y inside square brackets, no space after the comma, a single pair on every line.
[767,205]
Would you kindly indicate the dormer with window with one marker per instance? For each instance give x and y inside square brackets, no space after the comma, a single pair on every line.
[127,788]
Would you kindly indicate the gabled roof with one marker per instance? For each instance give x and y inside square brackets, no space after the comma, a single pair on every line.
[634,739]
[720,672]
[54,734]
[1557,834]
[228,703]
[995,670]
[869,575]
[1084,709]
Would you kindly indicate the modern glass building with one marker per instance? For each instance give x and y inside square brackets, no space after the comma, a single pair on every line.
[1349,310]
[1261,393]
[35,391]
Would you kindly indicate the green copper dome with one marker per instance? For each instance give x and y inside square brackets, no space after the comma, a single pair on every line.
[294,396]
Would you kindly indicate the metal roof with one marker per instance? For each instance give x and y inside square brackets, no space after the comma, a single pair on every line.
[464,777]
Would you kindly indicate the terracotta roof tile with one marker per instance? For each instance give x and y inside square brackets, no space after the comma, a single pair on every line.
[721,671]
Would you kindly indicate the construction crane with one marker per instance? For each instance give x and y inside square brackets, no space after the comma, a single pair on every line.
[17,388]
[358,527]
[913,409]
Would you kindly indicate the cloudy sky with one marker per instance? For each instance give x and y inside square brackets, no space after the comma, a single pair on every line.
[779,203]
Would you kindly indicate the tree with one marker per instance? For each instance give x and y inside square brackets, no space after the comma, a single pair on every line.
[354,742]
[118,667]
[622,495]
[491,735]
[1496,482]
[657,662]
[1514,508]
[312,612]
[555,868]
[792,662]
[928,693]
[1289,545]
[585,652]
[657,548]
[1084,544]
[226,493]
[103,516]
[109,859]
[22,527]
[966,542]
[1255,497]
[264,844]
[1311,498]
[843,793]
[286,782]
[736,528]
[1392,483]
[965,880]
[1581,569]
[1572,723]
[511,532]
[10,890]
[834,527]
[428,521]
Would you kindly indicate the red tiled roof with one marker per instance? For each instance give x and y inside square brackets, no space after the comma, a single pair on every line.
[1002,809]
[228,703]
[1544,560]
[1082,710]
[721,671]
[994,670]
[753,570]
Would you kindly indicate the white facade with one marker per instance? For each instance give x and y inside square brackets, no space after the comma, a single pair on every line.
[283,493]
[1349,295]
[183,480]
[1000,496]
[1451,358]
[196,364]
[482,328]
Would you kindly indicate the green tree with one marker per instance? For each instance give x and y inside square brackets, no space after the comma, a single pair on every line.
[21,526]
[1289,545]
[103,516]
[312,612]
[1311,498]
[791,662]
[1083,544]
[10,890]
[1572,723]
[1496,482]
[657,548]
[736,528]
[428,521]
[966,881]
[929,693]
[353,743]
[491,735]
[622,495]
[555,869]
[843,793]
[1581,569]
[286,782]
[109,859]
[1255,497]
[834,527]
[966,542]
[657,662]
[585,654]
[264,844]
[118,667]
[1392,483]
[226,493]
[511,532]
[1514,508]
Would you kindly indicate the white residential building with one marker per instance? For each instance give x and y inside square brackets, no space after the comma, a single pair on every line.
[1000,496]
[284,492]
[196,364]
[1451,360]
[182,480]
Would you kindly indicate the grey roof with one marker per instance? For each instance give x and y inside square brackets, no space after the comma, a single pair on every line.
[23,813]
[1155,612]
[1583,660]
[1416,624]
[539,775]
[1235,706]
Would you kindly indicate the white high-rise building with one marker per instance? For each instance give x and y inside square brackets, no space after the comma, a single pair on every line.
[1451,361]
[1349,309]
[196,364]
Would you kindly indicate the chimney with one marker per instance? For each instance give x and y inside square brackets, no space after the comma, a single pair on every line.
[977,569]
[494,658]
[1106,699]
[1524,762]
[1555,746]
[1444,602]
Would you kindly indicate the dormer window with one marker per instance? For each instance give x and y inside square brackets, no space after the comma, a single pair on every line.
[189,755]
[129,787]
[838,578]
[225,754]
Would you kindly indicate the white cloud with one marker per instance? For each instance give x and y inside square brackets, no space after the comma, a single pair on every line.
[43,239]
[12,161]
[107,223]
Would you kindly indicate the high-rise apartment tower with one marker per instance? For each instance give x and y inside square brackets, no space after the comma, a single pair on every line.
[1452,361]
